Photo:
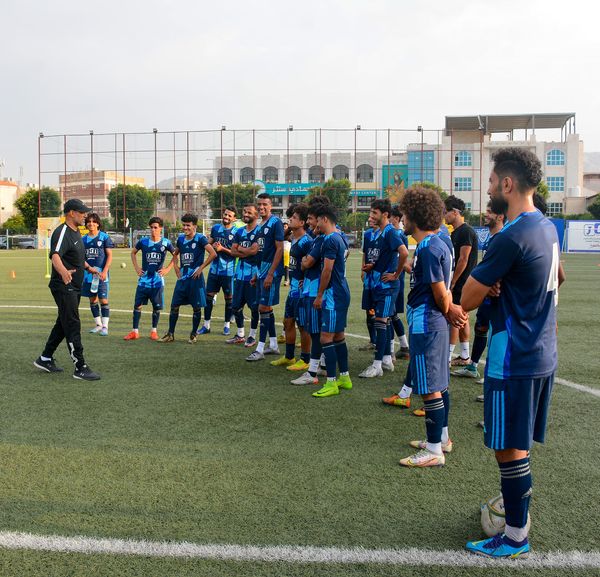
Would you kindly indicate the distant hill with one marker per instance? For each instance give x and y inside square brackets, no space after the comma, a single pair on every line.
[591,162]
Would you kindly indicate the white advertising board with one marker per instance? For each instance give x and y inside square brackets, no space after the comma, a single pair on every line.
[583,236]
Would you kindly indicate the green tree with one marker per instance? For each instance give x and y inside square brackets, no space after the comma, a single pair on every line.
[29,203]
[432,186]
[594,208]
[543,191]
[338,192]
[356,221]
[15,224]
[139,205]
[231,195]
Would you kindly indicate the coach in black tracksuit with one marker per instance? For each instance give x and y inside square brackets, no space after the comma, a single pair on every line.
[68,263]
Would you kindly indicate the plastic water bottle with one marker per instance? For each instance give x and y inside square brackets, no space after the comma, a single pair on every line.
[95,283]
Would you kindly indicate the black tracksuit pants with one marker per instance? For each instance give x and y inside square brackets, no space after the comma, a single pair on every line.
[67,326]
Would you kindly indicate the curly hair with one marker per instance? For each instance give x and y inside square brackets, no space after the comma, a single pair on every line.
[316,202]
[382,205]
[423,206]
[540,203]
[326,210]
[520,164]
[455,203]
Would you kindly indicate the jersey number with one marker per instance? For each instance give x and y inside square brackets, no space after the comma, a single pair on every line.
[553,277]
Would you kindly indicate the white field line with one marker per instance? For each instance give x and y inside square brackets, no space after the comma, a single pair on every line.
[564,382]
[292,554]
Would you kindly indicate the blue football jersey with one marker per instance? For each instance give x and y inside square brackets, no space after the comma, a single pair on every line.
[310,288]
[246,267]
[154,255]
[224,264]
[191,253]
[432,263]
[403,240]
[95,252]
[525,257]
[337,294]
[299,249]
[382,253]
[269,232]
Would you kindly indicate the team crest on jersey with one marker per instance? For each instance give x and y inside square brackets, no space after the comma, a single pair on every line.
[162,249]
[99,243]
[266,230]
[193,245]
[252,237]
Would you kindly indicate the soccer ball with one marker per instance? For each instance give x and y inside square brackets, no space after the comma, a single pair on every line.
[123,265]
[493,518]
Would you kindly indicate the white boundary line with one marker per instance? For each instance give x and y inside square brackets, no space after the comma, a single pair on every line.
[291,554]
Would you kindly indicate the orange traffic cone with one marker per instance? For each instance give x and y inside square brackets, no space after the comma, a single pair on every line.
[13,274]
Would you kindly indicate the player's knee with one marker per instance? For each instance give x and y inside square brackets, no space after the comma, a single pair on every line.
[175,310]
[481,331]
[211,295]
[197,311]
[104,302]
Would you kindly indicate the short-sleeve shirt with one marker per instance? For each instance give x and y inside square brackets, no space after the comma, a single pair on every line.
[525,257]
[312,275]
[224,264]
[382,253]
[191,253]
[68,245]
[247,267]
[269,232]
[298,250]
[432,263]
[337,294]
[154,255]
[465,235]
[95,252]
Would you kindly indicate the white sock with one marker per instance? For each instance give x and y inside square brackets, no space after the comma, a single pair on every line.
[450,353]
[260,347]
[515,533]
[322,360]
[252,333]
[404,342]
[434,448]
[331,379]
[105,322]
[136,331]
[241,332]
[345,374]
[393,345]
[227,324]
[313,365]
[405,392]
[464,350]
[207,324]
[98,321]
[445,436]
[272,342]
[377,364]
[387,359]
[45,358]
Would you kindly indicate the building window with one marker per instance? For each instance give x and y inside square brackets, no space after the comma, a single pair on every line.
[224,176]
[293,174]
[340,171]
[365,201]
[277,200]
[556,183]
[316,174]
[468,205]
[463,184]
[554,208]
[270,174]
[364,173]
[246,175]
[463,158]
[555,157]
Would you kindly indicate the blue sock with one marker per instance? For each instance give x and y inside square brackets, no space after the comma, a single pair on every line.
[137,315]
[228,310]
[516,483]
[104,311]
[254,318]
[330,360]
[95,308]
[341,350]
[208,308]
[390,334]
[289,350]
[408,378]
[155,318]
[371,328]
[239,318]
[398,325]
[196,318]
[173,316]
[265,321]
[305,357]
[315,349]
[272,331]
[382,340]
[479,344]
[446,400]
[434,420]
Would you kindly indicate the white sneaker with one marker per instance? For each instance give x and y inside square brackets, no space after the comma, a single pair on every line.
[371,372]
[305,379]
[424,458]
[388,367]
[446,447]
[479,382]
[255,356]
[321,371]
[270,351]
[96,329]
[104,332]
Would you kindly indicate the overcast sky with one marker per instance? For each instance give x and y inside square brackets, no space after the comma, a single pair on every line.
[71,66]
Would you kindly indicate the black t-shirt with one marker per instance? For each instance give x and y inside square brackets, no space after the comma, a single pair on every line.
[68,244]
[465,235]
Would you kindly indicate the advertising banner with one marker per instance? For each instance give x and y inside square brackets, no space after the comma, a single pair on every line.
[583,236]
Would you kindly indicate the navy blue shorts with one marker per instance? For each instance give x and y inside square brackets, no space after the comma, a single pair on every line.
[516,411]
[270,297]
[334,320]
[189,291]
[103,288]
[243,294]
[383,302]
[294,309]
[153,294]
[214,283]
[312,316]
[483,314]
[429,361]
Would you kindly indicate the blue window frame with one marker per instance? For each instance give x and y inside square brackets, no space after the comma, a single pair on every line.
[556,183]
[421,168]
[463,158]
[555,157]
[463,184]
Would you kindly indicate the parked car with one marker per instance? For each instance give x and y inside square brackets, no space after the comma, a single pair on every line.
[24,242]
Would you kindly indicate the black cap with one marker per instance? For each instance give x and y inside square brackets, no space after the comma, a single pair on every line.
[77,205]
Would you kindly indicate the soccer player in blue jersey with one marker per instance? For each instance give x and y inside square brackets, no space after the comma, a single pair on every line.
[151,275]
[428,303]
[333,299]
[384,263]
[220,274]
[98,256]
[189,288]
[395,220]
[244,289]
[268,244]
[522,261]
[294,310]
[366,291]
